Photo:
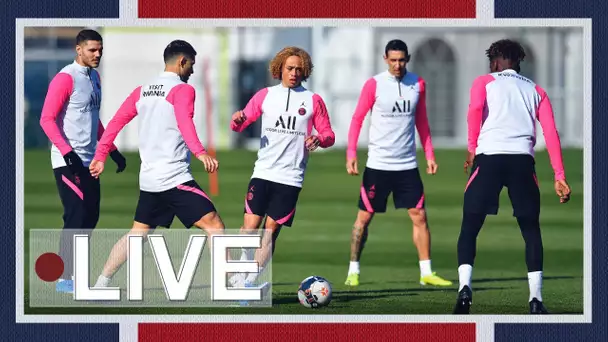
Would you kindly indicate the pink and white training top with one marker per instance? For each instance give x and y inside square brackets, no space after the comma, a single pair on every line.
[398,108]
[167,134]
[288,117]
[70,114]
[503,110]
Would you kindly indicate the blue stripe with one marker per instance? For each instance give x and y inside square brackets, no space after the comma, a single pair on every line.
[597,11]
[34,9]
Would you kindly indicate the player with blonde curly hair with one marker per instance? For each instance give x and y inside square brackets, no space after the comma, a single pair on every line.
[276,64]
[289,112]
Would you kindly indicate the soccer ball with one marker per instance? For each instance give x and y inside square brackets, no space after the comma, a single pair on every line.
[314,292]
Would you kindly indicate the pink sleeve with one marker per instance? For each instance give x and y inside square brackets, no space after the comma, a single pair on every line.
[100,131]
[321,122]
[365,104]
[126,113]
[547,122]
[477,104]
[60,90]
[422,122]
[252,111]
[182,98]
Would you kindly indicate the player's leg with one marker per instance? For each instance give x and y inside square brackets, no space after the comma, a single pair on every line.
[193,207]
[72,198]
[525,198]
[256,204]
[118,254]
[373,195]
[262,255]
[408,193]
[254,211]
[481,198]
[281,209]
[357,243]
[150,213]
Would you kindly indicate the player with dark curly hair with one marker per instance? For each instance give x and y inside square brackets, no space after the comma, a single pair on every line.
[503,110]
[508,53]
[289,112]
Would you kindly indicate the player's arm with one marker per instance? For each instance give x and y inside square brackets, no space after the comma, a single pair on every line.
[182,98]
[477,103]
[253,110]
[322,124]
[547,121]
[57,97]
[366,101]
[124,115]
[100,131]
[117,157]
[422,124]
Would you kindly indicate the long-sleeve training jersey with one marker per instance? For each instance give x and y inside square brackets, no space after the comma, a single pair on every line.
[167,134]
[288,117]
[398,108]
[503,110]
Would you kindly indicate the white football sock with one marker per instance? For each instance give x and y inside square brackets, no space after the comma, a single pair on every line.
[236,279]
[353,267]
[465,273]
[535,282]
[425,268]
[252,277]
[102,281]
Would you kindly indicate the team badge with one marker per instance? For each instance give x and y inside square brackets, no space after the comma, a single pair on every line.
[372,192]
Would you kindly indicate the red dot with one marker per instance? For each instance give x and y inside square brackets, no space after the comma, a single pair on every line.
[49,267]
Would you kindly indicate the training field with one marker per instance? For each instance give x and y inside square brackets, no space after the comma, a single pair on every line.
[319,241]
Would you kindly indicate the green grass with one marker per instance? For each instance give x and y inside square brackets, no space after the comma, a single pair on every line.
[319,241]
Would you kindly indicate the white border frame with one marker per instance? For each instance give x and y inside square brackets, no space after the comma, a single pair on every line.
[128,323]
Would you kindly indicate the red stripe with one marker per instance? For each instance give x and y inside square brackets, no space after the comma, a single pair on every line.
[306,332]
[308,9]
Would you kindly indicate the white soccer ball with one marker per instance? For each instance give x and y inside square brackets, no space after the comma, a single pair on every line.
[315,292]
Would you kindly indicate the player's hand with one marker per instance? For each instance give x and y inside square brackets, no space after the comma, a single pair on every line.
[431,168]
[351,167]
[120,160]
[96,168]
[468,163]
[211,164]
[562,189]
[74,163]
[312,143]
[239,117]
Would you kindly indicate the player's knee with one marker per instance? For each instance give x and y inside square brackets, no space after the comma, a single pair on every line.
[251,222]
[211,221]
[271,224]
[363,219]
[418,216]
[139,229]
